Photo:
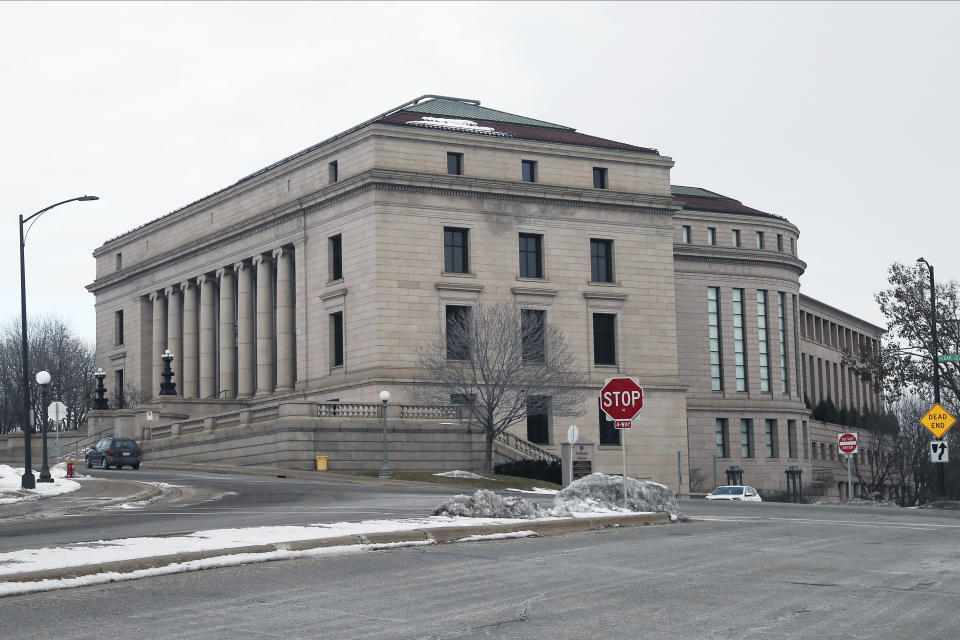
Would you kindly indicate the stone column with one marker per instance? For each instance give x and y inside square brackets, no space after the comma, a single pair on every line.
[159,341]
[191,346]
[228,353]
[245,361]
[286,359]
[265,373]
[208,337]
[175,334]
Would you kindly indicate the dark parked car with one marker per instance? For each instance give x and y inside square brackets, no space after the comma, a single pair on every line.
[114,452]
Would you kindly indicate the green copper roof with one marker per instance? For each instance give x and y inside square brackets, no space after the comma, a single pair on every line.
[696,192]
[471,110]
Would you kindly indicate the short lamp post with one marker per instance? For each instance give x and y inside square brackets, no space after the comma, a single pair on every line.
[167,387]
[385,467]
[100,403]
[43,379]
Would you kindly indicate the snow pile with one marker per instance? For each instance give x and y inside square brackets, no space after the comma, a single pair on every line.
[487,504]
[11,478]
[461,474]
[455,124]
[600,492]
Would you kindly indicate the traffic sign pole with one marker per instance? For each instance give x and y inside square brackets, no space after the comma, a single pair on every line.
[849,478]
[622,399]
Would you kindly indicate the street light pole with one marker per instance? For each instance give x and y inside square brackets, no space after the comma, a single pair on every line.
[935,354]
[27,481]
[384,468]
[43,379]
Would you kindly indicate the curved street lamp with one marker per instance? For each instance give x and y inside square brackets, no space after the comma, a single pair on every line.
[28,481]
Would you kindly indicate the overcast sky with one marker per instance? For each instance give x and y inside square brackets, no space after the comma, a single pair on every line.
[840,117]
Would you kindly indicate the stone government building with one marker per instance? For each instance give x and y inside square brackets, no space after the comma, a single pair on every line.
[291,298]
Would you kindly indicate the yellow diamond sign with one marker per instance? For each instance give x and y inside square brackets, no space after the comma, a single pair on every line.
[938,420]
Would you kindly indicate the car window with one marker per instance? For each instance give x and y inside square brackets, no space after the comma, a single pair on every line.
[125,444]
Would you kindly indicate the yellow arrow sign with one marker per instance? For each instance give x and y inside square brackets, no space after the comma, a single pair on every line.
[938,420]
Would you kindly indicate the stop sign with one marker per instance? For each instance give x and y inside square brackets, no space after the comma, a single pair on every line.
[621,398]
[847,442]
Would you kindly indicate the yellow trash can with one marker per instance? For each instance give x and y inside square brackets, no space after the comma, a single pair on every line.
[322,463]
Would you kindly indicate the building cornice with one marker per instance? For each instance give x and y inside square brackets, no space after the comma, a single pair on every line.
[753,259]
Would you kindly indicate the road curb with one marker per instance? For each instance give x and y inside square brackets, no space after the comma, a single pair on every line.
[438,535]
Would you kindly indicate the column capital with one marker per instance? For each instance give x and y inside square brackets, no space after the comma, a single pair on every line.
[168,291]
[240,266]
[201,279]
[222,271]
[156,294]
[259,258]
[278,253]
[186,284]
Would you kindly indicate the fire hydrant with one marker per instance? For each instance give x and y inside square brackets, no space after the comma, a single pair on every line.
[69,467]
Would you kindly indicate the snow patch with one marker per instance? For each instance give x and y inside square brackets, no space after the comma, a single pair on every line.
[536,490]
[487,504]
[11,478]
[455,124]
[599,491]
[500,536]
[461,474]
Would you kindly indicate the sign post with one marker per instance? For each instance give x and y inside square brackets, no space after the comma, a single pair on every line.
[622,399]
[57,411]
[573,434]
[847,443]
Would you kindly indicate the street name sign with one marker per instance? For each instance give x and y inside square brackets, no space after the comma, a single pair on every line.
[949,357]
[621,399]
[938,420]
[939,452]
[847,443]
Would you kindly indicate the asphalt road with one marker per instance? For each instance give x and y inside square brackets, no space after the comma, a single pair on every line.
[743,571]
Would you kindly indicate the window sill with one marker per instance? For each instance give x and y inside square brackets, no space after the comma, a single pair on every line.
[457,274]
[529,279]
[606,366]
[333,282]
[603,283]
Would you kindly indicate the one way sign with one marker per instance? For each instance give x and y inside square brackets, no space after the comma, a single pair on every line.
[938,451]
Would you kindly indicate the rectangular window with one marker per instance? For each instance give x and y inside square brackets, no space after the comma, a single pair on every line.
[118,328]
[779,242]
[813,449]
[713,322]
[336,338]
[528,170]
[806,434]
[599,178]
[771,435]
[533,345]
[465,399]
[711,236]
[608,434]
[739,352]
[458,332]
[781,323]
[792,438]
[830,449]
[333,172]
[736,237]
[604,338]
[793,246]
[455,164]
[762,340]
[746,438]
[759,239]
[531,255]
[685,234]
[601,260]
[118,394]
[455,250]
[335,244]
[538,423]
[119,258]
[723,438]
[823,451]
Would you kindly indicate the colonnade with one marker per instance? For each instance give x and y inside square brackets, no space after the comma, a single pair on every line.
[231,331]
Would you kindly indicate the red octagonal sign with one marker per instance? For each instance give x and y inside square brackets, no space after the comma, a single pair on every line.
[621,398]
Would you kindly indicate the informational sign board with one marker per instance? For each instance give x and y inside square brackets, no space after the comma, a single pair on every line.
[939,452]
[847,443]
[938,420]
[949,357]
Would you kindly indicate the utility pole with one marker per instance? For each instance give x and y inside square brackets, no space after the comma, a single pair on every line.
[935,354]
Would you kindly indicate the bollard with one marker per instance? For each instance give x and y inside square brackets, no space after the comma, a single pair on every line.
[69,467]
[322,463]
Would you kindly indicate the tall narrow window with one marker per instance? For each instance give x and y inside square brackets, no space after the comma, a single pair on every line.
[793,246]
[685,234]
[533,344]
[531,255]
[792,438]
[608,433]
[781,323]
[458,332]
[739,353]
[713,321]
[538,423]
[779,242]
[771,439]
[723,439]
[604,338]
[528,170]
[601,260]
[118,328]
[759,239]
[119,258]
[763,341]
[599,178]
[711,236]
[455,250]
[455,164]
[746,438]
[333,172]
[335,244]
[120,400]
[336,338]
[736,237]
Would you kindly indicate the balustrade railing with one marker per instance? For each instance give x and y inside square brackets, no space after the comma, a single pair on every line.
[528,449]
[264,413]
[348,410]
[191,426]
[227,420]
[164,431]
[427,411]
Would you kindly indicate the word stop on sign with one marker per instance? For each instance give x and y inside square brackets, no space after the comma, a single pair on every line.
[621,398]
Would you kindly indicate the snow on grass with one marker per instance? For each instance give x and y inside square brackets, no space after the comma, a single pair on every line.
[500,536]
[11,478]
[461,474]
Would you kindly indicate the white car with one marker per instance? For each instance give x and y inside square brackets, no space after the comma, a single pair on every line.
[740,493]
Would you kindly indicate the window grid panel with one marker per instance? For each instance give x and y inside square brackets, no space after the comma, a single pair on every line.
[771,434]
[763,343]
[531,255]
[746,445]
[722,450]
[601,260]
[455,253]
[713,320]
[739,354]
[781,322]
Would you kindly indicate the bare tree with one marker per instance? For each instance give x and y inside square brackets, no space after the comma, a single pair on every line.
[501,362]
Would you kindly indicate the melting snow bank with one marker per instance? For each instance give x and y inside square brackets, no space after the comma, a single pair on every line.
[11,478]
[594,494]
[461,474]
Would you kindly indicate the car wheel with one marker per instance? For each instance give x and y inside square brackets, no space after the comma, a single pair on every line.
[135,466]
[103,463]
[89,464]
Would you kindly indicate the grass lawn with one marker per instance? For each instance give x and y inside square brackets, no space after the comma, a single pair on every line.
[493,481]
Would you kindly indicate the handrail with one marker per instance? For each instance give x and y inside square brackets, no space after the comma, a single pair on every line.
[526,448]
[77,443]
